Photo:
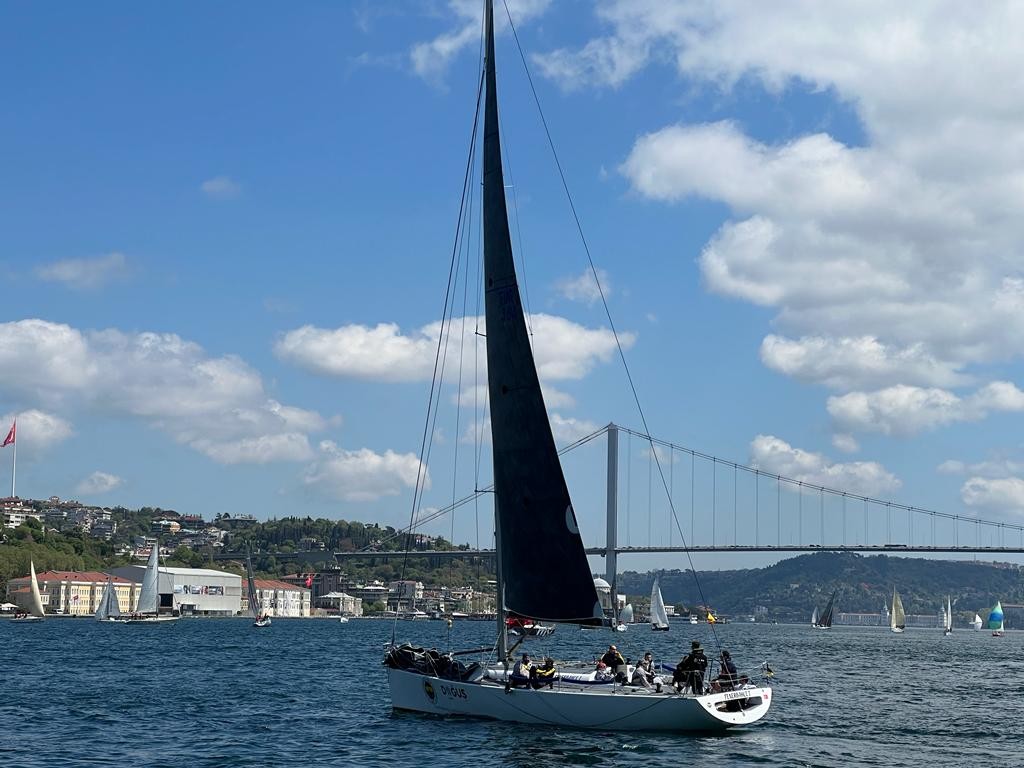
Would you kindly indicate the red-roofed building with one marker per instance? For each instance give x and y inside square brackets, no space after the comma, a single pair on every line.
[278,598]
[73,593]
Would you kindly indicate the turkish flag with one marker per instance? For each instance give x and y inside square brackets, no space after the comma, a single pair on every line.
[309,581]
[10,435]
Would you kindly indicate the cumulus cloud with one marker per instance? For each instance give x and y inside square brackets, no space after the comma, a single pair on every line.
[1004,495]
[85,273]
[216,405]
[362,475]
[37,431]
[567,430]
[895,262]
[905,410]
[777,457]
[97,483]
[221,188]
[562,349]
[584,288]
[853,363]
[430,60]
[845,443]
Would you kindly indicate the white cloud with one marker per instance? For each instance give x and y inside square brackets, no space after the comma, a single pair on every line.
[221,188]
[899,260]
[845,443]
[216,405]
[1004,495]
[85,273]
[562,349]
[852,363]
[97,483]
[430,60]
[362,475]
[584,288]
[991,468]
[777,457]
[37,431]
[567,430]
[904,410]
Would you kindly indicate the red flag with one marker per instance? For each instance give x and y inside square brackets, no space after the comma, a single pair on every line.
[309,581]
[10,435]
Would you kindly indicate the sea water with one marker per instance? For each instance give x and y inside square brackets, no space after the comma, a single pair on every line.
[219,692]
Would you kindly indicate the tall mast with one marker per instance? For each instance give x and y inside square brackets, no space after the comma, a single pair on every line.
[492,152]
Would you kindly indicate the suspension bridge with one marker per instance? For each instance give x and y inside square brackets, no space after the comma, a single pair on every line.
[718,505]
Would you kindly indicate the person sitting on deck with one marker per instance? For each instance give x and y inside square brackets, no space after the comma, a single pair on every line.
[613,659]
[689,673]
[545,674]
[521,672]
[643,673]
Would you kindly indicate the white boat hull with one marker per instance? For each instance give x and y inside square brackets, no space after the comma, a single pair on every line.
[615,708]
[21,619]
[150,620]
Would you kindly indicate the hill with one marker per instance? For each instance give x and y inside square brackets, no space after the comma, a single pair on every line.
[791,588]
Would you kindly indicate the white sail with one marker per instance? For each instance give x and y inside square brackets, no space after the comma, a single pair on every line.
[897,619]
[36,606]
[977,622]
[627,614]
[108,606]
[814,617]
[659,616]
[948,616]
[149,598]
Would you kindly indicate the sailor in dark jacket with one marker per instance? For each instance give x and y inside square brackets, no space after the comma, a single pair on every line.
[689,673]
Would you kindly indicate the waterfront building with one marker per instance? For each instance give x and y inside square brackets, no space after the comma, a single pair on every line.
[72,593]
[193,591]
[278,598]
[343,603]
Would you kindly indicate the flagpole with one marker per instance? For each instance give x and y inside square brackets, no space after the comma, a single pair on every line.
[14,464]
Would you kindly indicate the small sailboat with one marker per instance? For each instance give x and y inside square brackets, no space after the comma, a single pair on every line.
[897,619]
[814,617]
[995,619]
[147,609]
[825,620]
[108,609]
[523,627]
[260,619]
[659,616]
[545,577]
[35,606]
[343,619]
[947,618]
[627,614]
[694,619]
[977,623]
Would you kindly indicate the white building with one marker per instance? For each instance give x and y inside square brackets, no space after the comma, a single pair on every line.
[278,598]
[197,591]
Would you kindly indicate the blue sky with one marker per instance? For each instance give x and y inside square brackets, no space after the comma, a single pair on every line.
[226,231]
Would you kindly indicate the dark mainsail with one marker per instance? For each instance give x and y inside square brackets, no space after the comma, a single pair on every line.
[826,616]
[544,569]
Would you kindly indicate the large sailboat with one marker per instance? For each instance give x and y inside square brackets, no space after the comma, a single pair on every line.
[35,604]
[545,577]
[825,620]
[898,618]
[659,616]
[147,609]
[108,609]
[947,618]
[259,617]
[995,619]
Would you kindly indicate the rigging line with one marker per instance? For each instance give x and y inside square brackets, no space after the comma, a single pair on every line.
[604,298]
[420,474]
[578,443]
[467,240]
